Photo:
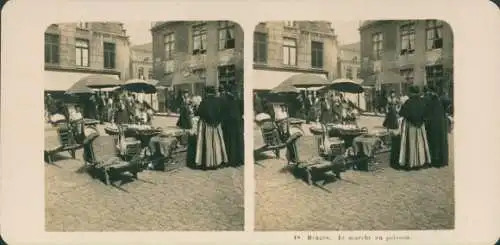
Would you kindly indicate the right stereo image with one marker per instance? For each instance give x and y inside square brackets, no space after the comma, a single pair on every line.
[353,125]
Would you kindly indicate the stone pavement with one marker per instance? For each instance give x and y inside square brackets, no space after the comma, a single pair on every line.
[181,200]
[385,200]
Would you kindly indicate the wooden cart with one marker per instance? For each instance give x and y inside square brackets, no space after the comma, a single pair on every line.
[102,157]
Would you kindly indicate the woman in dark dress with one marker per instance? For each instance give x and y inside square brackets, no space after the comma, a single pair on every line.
[210,146]
[436,126]
[185,112]
[391,117]
[414,149]
[325,111]
[232,127]
[121,111]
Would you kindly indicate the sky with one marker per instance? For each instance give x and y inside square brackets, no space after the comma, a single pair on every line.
[139,31]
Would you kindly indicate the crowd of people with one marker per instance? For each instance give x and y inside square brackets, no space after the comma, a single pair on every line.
[325,107]
[119,108]
[216,126]
[420,127]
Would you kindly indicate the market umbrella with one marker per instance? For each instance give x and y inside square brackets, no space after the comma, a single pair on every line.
[285,89]
[306,80]
[80,87]
[346,85]
[100,81]
[139,86]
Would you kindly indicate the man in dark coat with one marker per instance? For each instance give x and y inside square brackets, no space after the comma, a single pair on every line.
[436,126]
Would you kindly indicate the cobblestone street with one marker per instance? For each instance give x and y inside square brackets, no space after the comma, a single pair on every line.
[180,200]
[384,200]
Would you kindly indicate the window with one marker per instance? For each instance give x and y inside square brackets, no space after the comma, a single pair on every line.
[289,23]
[140,73]
[226,35]
[434,34]
[51,49]
[289,51]
[358,73]
[434,76]
[407,34]
[408,75]
[348,72]
[83,25]
[260,47]
[355,60]
[201,73]
[227,76]
[82,52]
[169,42]
[169,66]
[150,73]
[199,39]
[377,42]
[109,55]
[316,54]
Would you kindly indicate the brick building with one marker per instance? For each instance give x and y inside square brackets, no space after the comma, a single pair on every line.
[75,50]
[194,54]
[398,53]
[285,48]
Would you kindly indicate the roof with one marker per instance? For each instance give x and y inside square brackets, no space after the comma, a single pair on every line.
[352,46]
[143,47]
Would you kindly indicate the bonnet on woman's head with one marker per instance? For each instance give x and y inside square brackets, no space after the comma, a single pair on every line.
[413,90]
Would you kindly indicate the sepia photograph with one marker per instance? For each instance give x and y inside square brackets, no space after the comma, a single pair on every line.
[353,125]
[144,126]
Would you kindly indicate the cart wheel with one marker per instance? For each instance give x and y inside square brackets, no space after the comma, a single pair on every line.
[309,176]
[106,176]
[277,153]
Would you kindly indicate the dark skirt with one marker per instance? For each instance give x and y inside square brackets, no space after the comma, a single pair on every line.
[395,148]
[191,151]
[233,139]
[391,120]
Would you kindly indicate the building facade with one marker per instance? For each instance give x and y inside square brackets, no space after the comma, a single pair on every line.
[76,50]
[190,55]
[349,61]
[285,48]
[141,61]
[396,54]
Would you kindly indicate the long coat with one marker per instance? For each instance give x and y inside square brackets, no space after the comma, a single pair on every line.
[436,125]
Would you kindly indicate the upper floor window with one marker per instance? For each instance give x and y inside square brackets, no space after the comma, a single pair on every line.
[316,54]
[150,73]
[83,25]
[289,51]
[226,35]
[260,47]
[407,35]
[290,23]
[51,49]
[140,73]
[169,42]
[82,52]
[109,55]
[434,34]
[377,48]
[199,39]
[348,72]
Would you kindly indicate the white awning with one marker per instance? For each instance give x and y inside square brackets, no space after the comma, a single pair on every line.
[62,80]
[267,80]
[312,88]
